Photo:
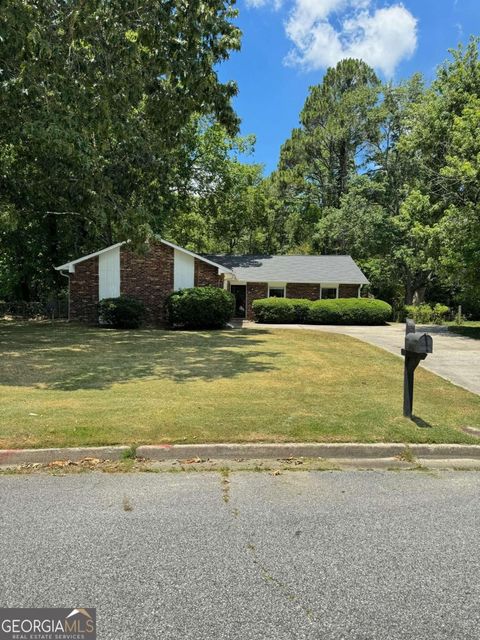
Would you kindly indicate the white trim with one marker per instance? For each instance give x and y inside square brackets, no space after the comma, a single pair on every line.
[302,281]
[71,265]
[277,285]
[359,290]
[109,274]
[221,269]
[329,286]
[183,270]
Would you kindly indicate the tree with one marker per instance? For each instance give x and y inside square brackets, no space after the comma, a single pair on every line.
[224,206]
[95,97]
[322,156]
[442,142]
[338,123]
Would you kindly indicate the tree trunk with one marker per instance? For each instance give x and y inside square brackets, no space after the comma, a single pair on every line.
[419,295]
[409,291]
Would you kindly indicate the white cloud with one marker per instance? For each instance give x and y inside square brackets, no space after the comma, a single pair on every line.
[325,31]
[256,4]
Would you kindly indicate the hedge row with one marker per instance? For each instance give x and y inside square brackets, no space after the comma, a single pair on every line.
[340,311]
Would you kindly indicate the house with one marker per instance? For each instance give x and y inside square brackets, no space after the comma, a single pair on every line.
[166,267]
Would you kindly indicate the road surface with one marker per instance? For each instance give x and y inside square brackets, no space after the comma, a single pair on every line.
[318,555]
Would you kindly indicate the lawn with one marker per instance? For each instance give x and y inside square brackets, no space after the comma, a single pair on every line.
[469,329]
[65,385]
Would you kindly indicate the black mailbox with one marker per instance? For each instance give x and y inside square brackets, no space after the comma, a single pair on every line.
[417,346]
[419,343]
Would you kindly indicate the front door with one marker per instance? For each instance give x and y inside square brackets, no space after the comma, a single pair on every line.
[240,293]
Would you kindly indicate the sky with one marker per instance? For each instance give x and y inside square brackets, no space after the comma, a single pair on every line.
[288,44]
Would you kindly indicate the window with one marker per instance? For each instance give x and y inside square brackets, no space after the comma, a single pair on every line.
[329,293]
[276,292]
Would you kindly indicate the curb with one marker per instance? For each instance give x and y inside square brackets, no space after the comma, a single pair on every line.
[345,451]
[445,450]
[307,450]
[44,456]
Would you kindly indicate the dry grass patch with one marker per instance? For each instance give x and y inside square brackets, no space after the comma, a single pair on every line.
[63,385]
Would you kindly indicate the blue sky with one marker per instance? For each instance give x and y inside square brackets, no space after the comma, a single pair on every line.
[287,45]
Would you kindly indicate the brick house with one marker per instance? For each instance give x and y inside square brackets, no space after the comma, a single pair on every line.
[166,267]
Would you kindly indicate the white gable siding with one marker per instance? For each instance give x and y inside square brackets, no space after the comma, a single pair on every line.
[183,270]
[109,274]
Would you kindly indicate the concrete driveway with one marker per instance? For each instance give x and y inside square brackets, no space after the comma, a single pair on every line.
[454,357]
[317,556]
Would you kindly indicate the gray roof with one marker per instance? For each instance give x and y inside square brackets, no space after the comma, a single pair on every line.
[308,269]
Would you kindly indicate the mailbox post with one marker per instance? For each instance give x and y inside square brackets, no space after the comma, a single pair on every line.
[417,346]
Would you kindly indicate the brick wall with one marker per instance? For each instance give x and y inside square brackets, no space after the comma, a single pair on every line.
[303,290]
[83,298]
[348,291]
[206,275]
[148,278]
[255,291]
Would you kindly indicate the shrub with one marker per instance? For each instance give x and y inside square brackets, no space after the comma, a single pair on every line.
[440,312]
[341,311]
[424,313]
[121,313]
[421,313]
[365,311]
[281,310]
[200,308]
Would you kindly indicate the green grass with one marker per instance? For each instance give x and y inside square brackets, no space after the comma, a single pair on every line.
[469,329]
[64,385]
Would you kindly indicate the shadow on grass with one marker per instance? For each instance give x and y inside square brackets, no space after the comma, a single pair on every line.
[421,423]
[67,357]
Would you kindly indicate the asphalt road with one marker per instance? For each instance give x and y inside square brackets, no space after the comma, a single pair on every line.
[318,555]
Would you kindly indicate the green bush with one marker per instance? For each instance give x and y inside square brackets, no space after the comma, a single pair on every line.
[200,308]
[425,314]
[341,311]
[121,313]
[439,314]
[281,310]
[421,313]
[366,311]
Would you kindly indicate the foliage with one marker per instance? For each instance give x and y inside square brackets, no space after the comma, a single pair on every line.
[337,124]
[115,125]
[121,313]
[421,313]
[425,313]
[440,313]
[96,101]
[200,308]
[223,205]
[341,311]
[281,310]
[404,201]
[364,311]
[442,141]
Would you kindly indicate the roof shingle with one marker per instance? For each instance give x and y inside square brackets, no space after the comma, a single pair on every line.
[308,269]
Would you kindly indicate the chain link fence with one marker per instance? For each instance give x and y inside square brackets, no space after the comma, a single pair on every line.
[53,309]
